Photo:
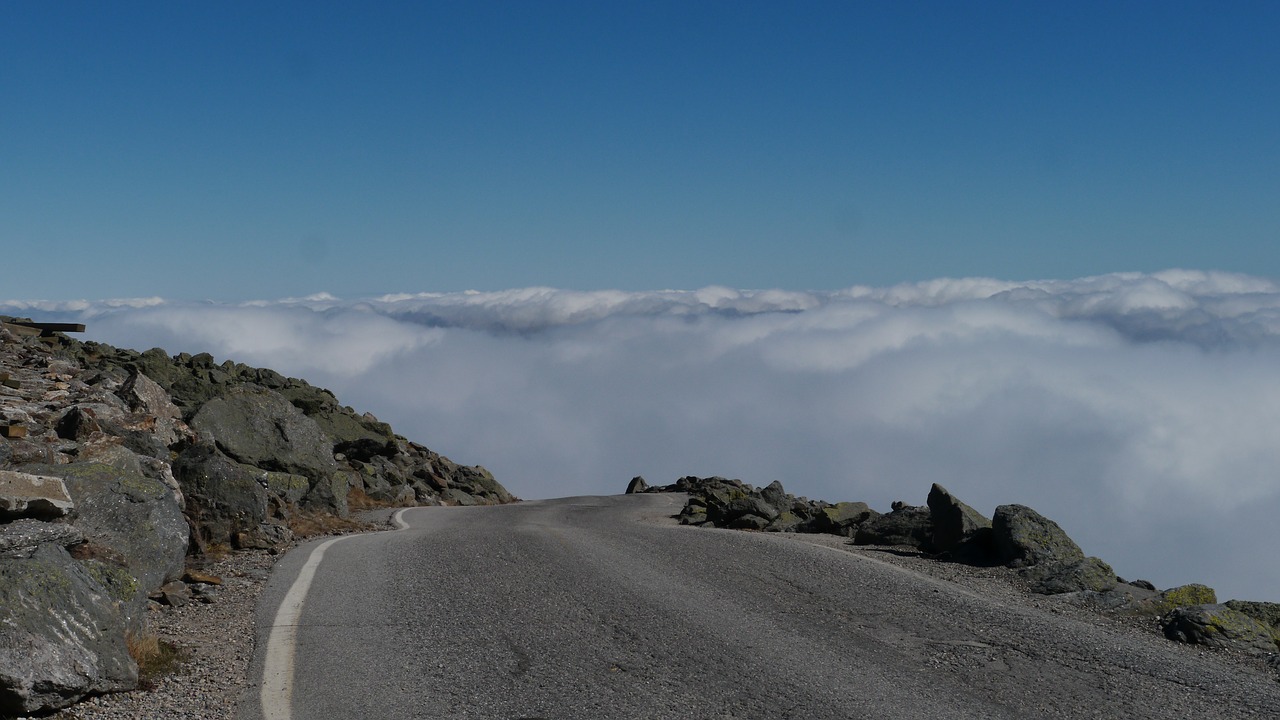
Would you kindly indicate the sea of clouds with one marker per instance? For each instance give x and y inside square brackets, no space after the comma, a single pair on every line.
[1140,411]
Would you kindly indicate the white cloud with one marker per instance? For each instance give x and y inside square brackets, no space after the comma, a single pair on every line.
[1137,410]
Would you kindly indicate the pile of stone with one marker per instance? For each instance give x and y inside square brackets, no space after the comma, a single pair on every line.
[1016,536]
[118,467]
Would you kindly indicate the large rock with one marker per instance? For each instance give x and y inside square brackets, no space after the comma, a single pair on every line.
[21,538]
[1267,613]
[637,485]
[1090,574]
[1024,537]
[136,518]
[905,525]
[954,523]
[146,396]
[224,497]
[259,427]
[61,636]
[1218,626]
[35,496]
[843,518]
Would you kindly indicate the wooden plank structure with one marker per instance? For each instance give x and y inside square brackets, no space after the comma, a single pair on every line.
[47,328]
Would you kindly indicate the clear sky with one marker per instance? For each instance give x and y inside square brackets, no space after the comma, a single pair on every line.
[250,150]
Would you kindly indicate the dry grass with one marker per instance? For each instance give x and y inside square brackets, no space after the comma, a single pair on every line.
[155,657]
[310,523]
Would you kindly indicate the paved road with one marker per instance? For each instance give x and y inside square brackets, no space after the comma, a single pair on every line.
[589,608]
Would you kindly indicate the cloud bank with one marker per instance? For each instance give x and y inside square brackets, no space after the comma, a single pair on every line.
[1140,411]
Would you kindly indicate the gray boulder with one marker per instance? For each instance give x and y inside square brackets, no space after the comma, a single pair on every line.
[61,636]
[136,518]
[1090,574]
[1267,613]
[1218,626]
[954,523]
[224,497]
[905,525]
[258,427]
[144,395]
[35,496]
[637,485]
[776,497]
[842,518]
[21,538]
[1024,537]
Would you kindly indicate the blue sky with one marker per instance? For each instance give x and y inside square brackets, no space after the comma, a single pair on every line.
[259,150]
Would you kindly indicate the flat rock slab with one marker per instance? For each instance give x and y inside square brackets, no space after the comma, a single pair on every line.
[36,496]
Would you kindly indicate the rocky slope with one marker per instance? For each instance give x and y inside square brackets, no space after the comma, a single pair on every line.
[120,469]
[1048,561]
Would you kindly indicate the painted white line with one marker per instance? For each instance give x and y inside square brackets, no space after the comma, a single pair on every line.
[277,669]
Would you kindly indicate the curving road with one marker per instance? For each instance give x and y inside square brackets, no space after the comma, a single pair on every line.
[597,608]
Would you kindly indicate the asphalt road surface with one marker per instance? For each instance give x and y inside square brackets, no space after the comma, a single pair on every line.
[597,607]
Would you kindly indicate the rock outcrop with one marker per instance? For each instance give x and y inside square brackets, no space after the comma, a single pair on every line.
[1017,536]
[117,466]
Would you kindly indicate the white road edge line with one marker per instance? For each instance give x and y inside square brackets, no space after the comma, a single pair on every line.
[277,669]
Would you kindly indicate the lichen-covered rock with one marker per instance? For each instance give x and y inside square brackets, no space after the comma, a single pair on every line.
[137,517]
[258,427]
[21,538]
[843,517]
[1267,613]
[61,635]
[1218,626]
[954,522]
[1091,573]
[224,497]
[776,497]
[1024,537]
[1181,596]
[904,525]
[146,396]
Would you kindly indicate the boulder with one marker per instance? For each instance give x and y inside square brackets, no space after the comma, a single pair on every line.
[34,496]
[136,517]
[224,497]
[775,496]
[842,518]
[1218,626]
[77,423]
[1267,613]
[1091,574]
[637,485]
[954,523]
[258,427]
[146,396]
[905,525]
[1024,537]
[21,538]
[1181,596]
[61,636]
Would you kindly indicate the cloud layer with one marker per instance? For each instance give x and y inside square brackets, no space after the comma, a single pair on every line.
[1139,411]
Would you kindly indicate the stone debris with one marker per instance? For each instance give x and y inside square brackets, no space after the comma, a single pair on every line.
[1044,557]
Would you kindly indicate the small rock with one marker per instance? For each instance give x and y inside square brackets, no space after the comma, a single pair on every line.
[35,496]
